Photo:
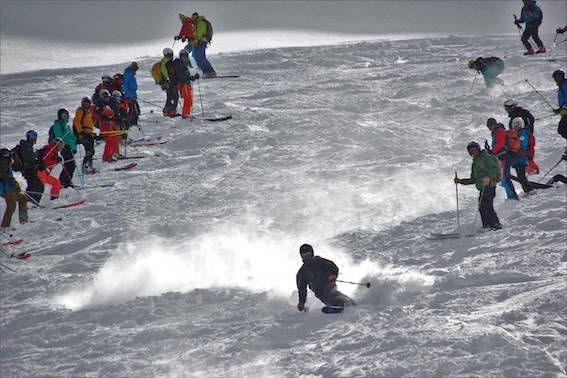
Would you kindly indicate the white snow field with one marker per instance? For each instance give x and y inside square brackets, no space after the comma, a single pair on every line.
[186,266]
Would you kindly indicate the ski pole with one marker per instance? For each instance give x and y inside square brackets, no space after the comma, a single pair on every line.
[476,213]
[540,95]
[518,25]
[472,86]
[457,194]
[356,283]
[552,46]
[201,97]
[552,168]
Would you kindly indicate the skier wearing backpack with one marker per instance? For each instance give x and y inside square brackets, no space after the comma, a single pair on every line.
[514,111]
[10,191]
[500,150]
[167,70]
[182,79]
[490,69]
[320,275]
[202,36]
[108,128]
[559,77]
[48,157]
[484,172]
[83,129]
[520,162]
[532,16]
[34,190]
[62,131]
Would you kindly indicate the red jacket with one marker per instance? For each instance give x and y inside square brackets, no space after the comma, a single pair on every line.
[50,157]
[499,140]
[187,28]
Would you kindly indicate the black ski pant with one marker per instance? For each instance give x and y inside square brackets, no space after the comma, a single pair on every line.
[133,111]
[532,31]
[68,167]
[486,207]
[88,142]
[171,100]
[562,128]
[521,173]
[34,191]
[331,296]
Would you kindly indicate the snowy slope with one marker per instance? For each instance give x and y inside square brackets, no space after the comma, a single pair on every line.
[186,266]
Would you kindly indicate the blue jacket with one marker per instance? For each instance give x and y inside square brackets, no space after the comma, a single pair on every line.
[7,180]
[522,158]
[536,14]
[562,93]
[130,85]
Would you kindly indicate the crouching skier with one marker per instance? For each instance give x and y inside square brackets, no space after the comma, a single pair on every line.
[321,275]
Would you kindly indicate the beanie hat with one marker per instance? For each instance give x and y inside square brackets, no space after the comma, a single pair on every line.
[491,121]
[182,16]
[518,121]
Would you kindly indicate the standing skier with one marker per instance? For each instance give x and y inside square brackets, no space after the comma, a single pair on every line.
[201,38]
[10,191]
[484,172]
[320,275]
[62,131]
[500,150]
[559,77]
[532,16]
[182,80]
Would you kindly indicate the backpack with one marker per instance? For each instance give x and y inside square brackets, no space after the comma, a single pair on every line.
[156,72]
[51,133]
[513,143]
[39,157]
[18,164]
[500,173]
[209,34]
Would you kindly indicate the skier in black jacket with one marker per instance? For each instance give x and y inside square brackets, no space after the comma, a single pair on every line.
[321,275]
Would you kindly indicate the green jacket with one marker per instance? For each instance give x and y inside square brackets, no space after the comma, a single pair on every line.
[200,29]
[482,166]
[163,67]
[62,131]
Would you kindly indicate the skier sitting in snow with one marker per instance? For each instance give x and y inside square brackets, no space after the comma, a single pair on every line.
[321,275]
[490,69]
[484,172]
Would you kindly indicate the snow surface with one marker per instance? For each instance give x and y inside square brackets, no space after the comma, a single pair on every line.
[186,266]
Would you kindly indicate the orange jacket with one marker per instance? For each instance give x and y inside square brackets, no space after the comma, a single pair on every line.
[83,121]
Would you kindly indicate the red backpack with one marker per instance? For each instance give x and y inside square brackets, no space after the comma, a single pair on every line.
[531,146]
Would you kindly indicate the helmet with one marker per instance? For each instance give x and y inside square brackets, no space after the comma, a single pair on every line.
[106,79]
[31,134]
[491,121]
[558,72]
[306,251]
[104,94]
[510,103]
[471,63]
[183,52]
[518,121]
[167,51]
[118,76]
[61,113]
[5,153]
[86,99]
[473,144]
[182,16]
[117,95]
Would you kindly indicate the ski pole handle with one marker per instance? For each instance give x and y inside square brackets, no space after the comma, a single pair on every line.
[356,283]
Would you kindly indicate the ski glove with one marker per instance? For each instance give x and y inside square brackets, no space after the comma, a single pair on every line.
[485,181]
[301,306]
[457,180]
[559,31]
[18,189]
[333,279]
[177,38]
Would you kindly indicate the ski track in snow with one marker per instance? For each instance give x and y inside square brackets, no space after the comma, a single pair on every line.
[186,266]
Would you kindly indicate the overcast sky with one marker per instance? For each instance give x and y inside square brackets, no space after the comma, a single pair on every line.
[135,21]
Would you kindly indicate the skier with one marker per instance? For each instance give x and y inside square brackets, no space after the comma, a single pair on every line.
[108,127]
[182,79]
[83,125]
[200,40]
[484,171]
[10,191]
[167,70]
[520,162]
[559,77]
[321,275]
[500,150]
[35,188]
[62,131]
[48,158]
[186,34]
[532,16]
[490,69]
[130,87]
[513,110]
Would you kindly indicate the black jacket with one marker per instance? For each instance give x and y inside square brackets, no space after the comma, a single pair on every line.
[315,273]
[182,74]
[28,157]
[525,115]
[482,64]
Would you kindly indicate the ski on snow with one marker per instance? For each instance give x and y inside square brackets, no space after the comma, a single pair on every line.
[436,236]
[211,119]
[332,309]
[15,242]
[106,185]
[68,205]
[148,144]
[127,166]
[221,77]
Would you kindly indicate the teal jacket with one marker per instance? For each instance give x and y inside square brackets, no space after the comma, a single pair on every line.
[483,165]
[62,131]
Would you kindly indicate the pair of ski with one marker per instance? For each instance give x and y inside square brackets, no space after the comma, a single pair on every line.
[122,168]
[211,119]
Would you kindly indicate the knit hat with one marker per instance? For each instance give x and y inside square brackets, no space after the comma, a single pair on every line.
[182,16]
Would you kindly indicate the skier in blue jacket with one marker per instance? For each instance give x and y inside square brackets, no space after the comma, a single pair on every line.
[130,87]
[520,162]
[532,16]
[559,77]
